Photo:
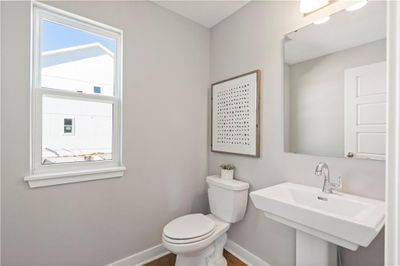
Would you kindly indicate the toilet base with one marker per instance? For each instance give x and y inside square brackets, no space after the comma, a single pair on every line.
[222,262]
[212,255]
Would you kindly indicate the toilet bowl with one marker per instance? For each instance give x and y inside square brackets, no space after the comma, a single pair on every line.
[199,239]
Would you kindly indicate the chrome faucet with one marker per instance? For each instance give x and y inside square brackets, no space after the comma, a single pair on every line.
[328,187]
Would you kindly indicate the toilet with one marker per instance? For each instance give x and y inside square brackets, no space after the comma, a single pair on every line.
[199,239]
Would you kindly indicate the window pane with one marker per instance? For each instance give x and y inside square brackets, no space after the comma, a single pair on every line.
[76,131]
[76,60]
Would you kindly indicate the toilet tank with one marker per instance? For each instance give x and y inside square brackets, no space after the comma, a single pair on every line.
[227,198]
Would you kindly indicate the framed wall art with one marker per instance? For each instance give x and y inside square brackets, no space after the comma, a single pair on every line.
[235,115]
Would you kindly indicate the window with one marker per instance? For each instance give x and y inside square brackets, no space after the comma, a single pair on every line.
[68,126]
[76,99]
[97,89]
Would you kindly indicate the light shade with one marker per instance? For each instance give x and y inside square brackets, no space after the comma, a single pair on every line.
[357,6]
[322,20]
[307,6]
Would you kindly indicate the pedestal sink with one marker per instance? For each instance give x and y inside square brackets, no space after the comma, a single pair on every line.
[321,220]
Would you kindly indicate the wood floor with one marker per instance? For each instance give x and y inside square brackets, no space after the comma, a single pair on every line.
[169,260]
[232,260]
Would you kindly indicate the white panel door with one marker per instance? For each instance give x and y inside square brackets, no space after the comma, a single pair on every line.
[365,111]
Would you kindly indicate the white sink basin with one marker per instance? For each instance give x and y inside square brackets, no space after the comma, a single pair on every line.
[345,220]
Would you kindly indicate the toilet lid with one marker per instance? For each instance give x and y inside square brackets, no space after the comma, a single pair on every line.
[189,226]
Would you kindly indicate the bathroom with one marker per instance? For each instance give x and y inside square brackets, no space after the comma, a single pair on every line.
[169,58]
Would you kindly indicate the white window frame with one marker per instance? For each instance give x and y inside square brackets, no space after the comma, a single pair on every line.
[46,175]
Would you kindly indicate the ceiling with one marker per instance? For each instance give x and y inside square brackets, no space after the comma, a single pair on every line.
[206,13]
[343,31]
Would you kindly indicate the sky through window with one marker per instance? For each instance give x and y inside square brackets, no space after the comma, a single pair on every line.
[56,36]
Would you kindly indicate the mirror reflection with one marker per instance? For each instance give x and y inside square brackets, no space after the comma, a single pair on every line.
[335,85]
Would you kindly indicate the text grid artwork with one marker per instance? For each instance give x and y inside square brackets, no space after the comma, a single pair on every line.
[233,112]
[235,115]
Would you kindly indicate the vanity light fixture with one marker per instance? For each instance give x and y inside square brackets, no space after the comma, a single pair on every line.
[322,20]
[308,6]
[357,6]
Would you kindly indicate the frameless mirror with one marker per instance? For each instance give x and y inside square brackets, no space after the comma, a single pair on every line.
[335,85]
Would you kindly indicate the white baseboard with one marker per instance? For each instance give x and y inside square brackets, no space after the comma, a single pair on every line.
[158,251]
[142,257]
[244,255]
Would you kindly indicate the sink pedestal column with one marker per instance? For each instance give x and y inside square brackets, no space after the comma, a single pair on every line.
[313,251]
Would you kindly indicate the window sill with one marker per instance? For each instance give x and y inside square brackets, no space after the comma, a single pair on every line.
[51,179]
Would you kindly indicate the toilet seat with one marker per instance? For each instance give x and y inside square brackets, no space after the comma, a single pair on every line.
[189,229]
[188,241]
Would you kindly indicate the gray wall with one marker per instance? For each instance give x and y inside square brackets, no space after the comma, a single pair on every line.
[317,98]
[165,146]
[166,75]
[252,39]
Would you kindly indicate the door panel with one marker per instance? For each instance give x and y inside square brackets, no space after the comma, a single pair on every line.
[371,113]
[371,143]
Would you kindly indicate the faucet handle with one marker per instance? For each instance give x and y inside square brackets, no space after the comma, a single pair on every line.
[337,185]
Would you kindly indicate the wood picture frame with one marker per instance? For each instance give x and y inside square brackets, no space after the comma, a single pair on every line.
[233,132]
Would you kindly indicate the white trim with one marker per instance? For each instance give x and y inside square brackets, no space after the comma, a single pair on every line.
[244,255]
[158,251]
[73,16]
[142,257]
[76,95]
[51,179]
[77,48]
[75,171]
[392,227]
